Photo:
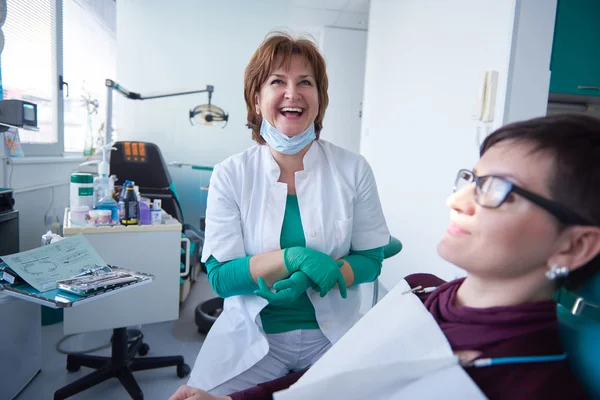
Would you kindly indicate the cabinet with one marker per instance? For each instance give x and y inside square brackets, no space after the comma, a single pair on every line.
[9,232]
[21,330]
[154,249]
[575,62]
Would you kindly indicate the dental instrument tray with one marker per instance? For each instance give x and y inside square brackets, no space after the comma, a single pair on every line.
[100,280]
[90,285]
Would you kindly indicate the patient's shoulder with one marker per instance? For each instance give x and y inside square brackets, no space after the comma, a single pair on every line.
[424,280]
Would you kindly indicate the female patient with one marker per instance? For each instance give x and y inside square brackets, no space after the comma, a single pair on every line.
[523,222]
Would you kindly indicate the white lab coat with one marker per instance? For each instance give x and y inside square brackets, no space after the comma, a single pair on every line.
[340,209]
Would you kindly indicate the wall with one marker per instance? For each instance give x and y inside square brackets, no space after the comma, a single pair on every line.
[191,43]
[424,61]
[39,208]
[185,45]
[41,192]
[345,53]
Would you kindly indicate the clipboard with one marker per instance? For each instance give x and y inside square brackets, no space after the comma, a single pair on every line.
[58,298]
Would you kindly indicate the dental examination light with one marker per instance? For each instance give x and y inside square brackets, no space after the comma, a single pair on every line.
[205,114]
[208,114]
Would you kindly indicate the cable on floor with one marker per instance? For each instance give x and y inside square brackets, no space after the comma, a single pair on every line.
[135,334]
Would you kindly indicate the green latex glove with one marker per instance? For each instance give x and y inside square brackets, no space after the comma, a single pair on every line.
[287,290]
[320,268]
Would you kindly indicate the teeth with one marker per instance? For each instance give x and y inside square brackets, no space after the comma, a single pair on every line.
[294,109]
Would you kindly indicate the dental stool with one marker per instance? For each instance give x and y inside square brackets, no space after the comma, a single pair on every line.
[579,318]
[208,311]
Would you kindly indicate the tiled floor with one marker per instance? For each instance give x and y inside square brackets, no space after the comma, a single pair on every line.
[168,338]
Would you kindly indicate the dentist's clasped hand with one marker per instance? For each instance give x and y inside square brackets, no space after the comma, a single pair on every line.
[320,268]
[287,290]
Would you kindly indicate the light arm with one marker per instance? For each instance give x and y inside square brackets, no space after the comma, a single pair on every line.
[112,85]
[136,96]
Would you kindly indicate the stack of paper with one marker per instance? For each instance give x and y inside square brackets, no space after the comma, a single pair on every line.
[43,266]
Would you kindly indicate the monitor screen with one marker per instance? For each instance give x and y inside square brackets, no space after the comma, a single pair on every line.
[29,113]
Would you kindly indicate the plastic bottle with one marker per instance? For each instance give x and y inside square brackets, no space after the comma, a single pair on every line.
[121,204]
[156,212]
[145,215]
[102,184]
[82,190]
[131,210]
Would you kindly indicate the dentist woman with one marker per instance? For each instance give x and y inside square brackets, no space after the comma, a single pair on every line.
[293,225]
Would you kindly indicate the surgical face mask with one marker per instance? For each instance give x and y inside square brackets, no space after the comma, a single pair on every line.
[284,144]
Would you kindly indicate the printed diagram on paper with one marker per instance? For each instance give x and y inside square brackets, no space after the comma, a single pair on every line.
[42,267]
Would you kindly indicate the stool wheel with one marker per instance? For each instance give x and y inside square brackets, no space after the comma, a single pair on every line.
[183,370]
[73,367]
[144,348]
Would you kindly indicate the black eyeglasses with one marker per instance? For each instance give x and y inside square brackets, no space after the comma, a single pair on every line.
[491,191]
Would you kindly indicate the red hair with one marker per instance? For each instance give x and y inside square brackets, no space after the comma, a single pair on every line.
[276,51]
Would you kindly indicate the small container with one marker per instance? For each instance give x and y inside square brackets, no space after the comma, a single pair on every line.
[80,215]
[104,217]
[156,212]
[94,217]
[108,203]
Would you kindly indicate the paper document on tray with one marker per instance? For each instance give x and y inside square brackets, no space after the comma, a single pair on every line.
[396,348]
[43,266]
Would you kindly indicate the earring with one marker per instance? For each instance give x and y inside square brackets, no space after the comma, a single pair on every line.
[556,272]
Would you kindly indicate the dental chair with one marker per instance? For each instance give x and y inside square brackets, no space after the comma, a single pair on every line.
[143,163]
[579,318]
[208,311]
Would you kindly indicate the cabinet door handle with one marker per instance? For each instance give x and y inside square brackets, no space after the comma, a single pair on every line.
[588,87]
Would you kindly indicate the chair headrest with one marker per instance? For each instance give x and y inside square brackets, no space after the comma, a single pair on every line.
[141,162]
[392,248]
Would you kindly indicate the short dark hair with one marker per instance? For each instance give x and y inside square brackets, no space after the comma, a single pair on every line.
[276,51]
[573,140]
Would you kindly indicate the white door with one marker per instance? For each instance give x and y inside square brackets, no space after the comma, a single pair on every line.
[345,53]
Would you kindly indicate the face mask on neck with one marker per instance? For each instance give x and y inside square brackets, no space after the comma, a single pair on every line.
[284,144]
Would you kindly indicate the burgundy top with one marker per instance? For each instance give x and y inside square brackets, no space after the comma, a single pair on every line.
[529,329]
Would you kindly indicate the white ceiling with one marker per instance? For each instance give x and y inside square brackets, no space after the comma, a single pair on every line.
[339,13]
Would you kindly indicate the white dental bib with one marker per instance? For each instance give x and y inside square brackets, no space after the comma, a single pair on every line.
[396,351]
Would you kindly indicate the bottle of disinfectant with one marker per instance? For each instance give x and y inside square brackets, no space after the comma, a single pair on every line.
[102,184]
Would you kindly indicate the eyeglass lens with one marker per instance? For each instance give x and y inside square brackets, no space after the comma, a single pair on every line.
[489,192]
